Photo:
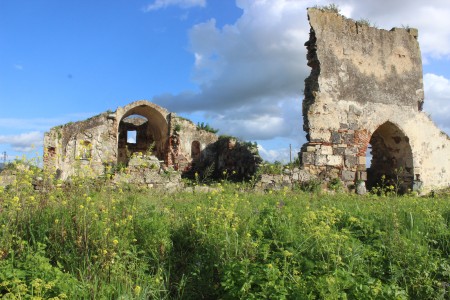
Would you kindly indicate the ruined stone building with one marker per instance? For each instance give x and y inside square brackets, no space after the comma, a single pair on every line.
[111,139]
[143,135]
[362,113]
[364,98]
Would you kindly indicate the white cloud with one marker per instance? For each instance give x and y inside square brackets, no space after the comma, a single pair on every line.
[41,124]
[24,142]
[437,99]
[29,141]
[18,67]
[250,73]
[158,4]
[280,154]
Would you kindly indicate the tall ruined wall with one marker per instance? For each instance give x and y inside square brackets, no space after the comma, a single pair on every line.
[363,81]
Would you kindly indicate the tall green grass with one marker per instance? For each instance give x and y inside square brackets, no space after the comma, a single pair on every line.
[86,239]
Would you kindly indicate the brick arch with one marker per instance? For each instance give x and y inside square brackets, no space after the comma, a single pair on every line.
[151,127]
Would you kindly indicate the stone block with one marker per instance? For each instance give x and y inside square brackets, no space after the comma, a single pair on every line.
[361,160]
[348,175]
[321,160]
[353,126]
[339,151]
[266,178]
[361,175]
[350,161]
[310,149]
[308,158]
[326,150]
[351,151]
[349,138]
[361,188]
[334,160]
[335,137]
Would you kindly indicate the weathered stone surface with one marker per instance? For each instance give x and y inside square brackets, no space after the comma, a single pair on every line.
[145,171]
[334,160]
[93,146]
[365,88]
[350,161]
[348,175]
[288,179]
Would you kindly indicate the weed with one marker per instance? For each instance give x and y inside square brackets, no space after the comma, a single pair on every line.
[330,7]
[87,239]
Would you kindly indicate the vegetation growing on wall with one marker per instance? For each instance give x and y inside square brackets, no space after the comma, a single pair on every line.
[206,127]
[330,7]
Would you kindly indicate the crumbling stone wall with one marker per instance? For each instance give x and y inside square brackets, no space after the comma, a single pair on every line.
[365,91]
[81,148]
[90,147]
[188,144]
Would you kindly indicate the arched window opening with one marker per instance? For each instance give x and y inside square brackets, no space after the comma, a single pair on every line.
[195,150]
[389,159]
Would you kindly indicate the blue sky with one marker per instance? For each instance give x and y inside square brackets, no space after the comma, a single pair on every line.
[237,65]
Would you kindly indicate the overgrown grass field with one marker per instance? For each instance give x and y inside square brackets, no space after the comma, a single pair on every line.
[89,240]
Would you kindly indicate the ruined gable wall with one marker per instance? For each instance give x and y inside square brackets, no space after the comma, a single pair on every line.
[362,77]
[82,147]
[88,147]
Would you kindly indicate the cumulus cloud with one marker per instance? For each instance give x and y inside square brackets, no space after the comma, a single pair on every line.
[24,142]
[29,141]
[279,154]
[158,4]
[250,73]
[41,124]
[437,99]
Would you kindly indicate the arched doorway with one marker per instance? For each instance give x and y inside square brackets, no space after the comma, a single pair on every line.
[390,156]
[142,129]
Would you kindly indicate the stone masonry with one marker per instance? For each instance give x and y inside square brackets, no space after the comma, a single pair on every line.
[364,98]
[94,146]
[145,142]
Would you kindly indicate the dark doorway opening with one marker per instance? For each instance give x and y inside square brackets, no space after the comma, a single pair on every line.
[389,160]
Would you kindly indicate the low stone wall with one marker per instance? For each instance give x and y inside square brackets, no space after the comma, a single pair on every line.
[147,171]
[289,179]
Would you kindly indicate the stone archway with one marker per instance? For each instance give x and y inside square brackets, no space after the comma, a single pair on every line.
[391,156]
[143,128]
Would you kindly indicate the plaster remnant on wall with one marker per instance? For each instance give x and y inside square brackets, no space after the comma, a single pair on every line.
[363,100]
